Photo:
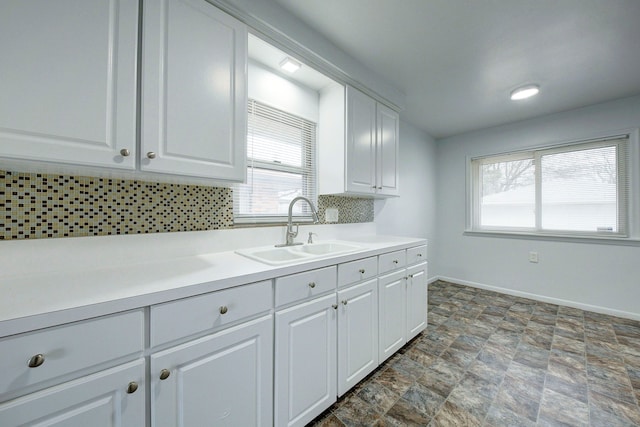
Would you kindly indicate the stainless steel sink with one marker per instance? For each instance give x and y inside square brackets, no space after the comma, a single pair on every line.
[291,254]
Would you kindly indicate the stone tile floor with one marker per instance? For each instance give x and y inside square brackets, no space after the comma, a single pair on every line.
[490,359]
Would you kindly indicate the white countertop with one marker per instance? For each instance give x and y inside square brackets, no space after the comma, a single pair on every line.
[74,292]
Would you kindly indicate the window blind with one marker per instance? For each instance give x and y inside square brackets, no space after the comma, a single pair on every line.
[281,165]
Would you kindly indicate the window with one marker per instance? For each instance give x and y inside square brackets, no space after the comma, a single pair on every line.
[280,166]
[577,189]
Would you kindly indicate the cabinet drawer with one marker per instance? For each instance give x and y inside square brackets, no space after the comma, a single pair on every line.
[391,261]
[305,285]
[178,319]
[69,348]
[417,254]
[356,271]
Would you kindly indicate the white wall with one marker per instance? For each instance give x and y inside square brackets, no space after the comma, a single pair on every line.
[413,213]
[269,88]
[600,277]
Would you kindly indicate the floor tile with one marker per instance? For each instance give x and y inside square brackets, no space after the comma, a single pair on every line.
[497,360]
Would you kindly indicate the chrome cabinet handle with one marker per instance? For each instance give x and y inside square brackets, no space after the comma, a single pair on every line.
[312,285]
[223,309]
[124,152]
[151,155]
[132,387]
[164,374]
[361,271]
[36,360]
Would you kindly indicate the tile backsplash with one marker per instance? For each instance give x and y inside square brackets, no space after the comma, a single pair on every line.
[35,206]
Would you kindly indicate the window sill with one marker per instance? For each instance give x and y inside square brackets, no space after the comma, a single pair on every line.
[604,240]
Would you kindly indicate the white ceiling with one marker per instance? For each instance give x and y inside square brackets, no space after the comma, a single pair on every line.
[458,60]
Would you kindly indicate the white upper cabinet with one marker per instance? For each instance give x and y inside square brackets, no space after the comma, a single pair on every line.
[359,143]
[194,97]
[68,81]
[388,135]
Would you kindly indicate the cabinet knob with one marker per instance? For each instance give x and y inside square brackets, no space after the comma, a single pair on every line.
[419,255]
[373,186]
[379,188]
[395,261]
[132,387]
[164,374]
[312,285]
[411,276]
[335,306]
[36,360]
[223,309]
[361,271]
[345,302]
[125,153]
[151,155]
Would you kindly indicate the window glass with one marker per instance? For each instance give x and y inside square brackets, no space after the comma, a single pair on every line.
[573,189]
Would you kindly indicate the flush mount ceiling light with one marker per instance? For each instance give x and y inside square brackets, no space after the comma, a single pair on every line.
[524,92]
[290,65]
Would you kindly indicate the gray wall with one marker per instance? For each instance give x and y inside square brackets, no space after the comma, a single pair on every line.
[601,277]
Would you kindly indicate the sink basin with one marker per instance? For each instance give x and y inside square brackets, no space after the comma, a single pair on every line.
[325,248]
[291,254]
[276,255]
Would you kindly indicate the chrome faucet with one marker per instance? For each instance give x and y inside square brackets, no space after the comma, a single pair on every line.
[291,234]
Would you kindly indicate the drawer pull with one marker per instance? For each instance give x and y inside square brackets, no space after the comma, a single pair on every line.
[125,153]
[223,309]
[411,276]
[419,255]
[361,271]
[345,302]
[335,306]
[36,360]
[132,387]
[312,285]
[164,374]
[395,261]
[151,155]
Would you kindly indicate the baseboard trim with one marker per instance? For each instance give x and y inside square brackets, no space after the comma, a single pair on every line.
[542,298]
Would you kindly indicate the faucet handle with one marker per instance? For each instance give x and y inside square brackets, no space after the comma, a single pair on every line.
[310,239]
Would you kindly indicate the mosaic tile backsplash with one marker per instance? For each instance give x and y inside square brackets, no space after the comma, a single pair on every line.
[36,206]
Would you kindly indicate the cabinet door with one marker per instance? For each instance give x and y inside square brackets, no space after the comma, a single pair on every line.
[223,379]
[361,142]
[194,98]
[392,304]
[388,127]
[68,85]
[416,300]
[357,333]
[100,399]
[305,361]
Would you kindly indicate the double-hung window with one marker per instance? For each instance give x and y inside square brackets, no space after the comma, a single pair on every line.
[574,189]
[281,165]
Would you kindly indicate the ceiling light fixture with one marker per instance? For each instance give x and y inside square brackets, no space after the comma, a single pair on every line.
[290,65]
[524,92]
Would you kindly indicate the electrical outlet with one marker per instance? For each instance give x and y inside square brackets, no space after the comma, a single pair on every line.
[331,215]
[533,256]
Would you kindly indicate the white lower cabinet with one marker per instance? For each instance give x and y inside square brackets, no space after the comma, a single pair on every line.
[113,397]
[357,333]
[305,361]
[224,379]
[392,312]
[416,299]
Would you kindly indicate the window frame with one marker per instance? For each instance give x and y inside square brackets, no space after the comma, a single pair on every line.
[628,165]
[308,171]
